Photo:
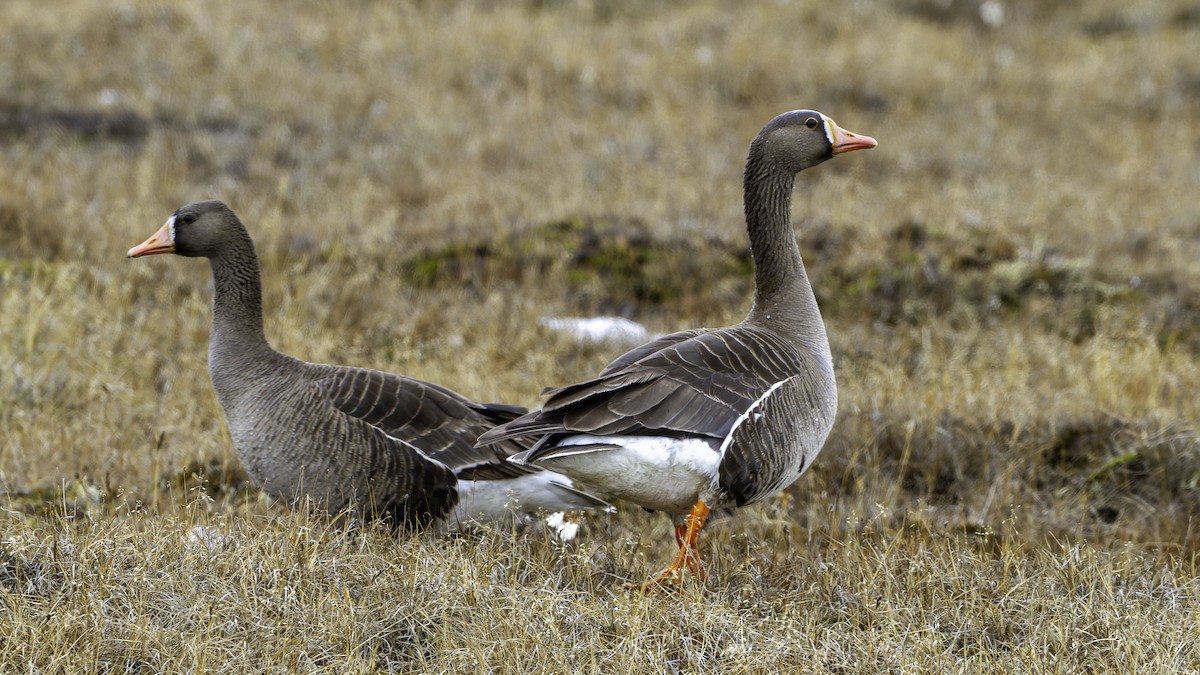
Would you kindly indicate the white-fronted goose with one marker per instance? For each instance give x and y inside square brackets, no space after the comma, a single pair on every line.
[711,418]
[398,447]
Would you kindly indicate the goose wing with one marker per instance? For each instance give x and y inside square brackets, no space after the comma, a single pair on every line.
[445,425]
[705,383]
[696,383]
[346,457]
[439,422]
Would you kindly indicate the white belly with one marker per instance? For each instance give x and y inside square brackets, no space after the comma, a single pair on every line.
[663,474]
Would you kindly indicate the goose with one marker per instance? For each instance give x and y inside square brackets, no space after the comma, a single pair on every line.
[711,418]
[399,448]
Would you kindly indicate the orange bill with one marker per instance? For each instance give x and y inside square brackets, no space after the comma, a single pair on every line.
[845,141]
[159,242]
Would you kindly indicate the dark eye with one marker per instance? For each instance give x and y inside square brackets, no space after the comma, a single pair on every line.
[187,218]
[811,123]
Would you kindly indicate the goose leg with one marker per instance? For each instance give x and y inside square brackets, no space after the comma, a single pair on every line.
[681,534]
[688,537]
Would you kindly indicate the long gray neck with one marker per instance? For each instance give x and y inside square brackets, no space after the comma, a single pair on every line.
[783,296]
[237,349]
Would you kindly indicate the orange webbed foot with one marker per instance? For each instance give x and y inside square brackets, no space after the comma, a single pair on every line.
[687,536]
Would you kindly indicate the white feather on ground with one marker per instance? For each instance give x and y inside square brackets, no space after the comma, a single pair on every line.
[597,329]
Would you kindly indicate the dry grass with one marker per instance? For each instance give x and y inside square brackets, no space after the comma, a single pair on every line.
[1010,282]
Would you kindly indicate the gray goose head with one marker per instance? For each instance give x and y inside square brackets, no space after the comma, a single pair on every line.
[199,230]
[801,139]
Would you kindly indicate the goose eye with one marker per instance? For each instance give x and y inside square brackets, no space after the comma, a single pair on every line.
[187,218]
[811,123]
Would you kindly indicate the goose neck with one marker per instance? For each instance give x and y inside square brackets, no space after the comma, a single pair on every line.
[783,296]
[237,329]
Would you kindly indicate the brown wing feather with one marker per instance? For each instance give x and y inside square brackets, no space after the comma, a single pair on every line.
[638,353]
[640,398]
[387,476]
[703,382]
[438,421]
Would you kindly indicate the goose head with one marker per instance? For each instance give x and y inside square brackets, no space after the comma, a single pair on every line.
[199,230]
[800,139]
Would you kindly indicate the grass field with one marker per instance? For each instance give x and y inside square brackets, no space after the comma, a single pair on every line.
[1011,282]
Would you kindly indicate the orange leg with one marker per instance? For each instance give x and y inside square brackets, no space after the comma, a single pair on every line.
[683,542]
[688,537]
[680,535]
